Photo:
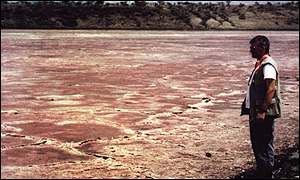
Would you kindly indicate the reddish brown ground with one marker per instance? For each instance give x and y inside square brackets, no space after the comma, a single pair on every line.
[134,104]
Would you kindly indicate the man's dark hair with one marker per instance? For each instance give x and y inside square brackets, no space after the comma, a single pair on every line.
[261,41]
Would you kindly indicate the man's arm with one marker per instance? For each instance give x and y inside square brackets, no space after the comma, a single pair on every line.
[271,88]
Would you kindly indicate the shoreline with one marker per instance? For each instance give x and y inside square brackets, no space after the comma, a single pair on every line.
[189,30]
[159,16]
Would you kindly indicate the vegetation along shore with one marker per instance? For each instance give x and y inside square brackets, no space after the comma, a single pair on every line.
[147,15]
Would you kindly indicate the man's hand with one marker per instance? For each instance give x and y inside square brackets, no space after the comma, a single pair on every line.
[261,116]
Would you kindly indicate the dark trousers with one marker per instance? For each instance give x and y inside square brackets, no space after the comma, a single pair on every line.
[261,134]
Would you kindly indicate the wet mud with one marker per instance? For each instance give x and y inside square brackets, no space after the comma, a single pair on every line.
[135,104]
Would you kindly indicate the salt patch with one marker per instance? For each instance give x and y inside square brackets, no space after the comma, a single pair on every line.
[55,97]
[65,102]
[9,111]
[66,122]
[10,128]
[199,96]
[154,119]
[235,92]
[200,105]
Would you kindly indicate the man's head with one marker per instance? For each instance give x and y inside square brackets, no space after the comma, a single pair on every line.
[259,46]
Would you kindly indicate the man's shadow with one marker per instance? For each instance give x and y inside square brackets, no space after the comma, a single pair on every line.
[286,166]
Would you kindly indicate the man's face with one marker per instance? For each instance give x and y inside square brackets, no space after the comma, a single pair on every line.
[256,51]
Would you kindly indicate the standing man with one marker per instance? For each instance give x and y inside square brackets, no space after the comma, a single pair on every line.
[262,104]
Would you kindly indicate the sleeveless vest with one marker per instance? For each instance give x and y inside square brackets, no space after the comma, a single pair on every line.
[258,92]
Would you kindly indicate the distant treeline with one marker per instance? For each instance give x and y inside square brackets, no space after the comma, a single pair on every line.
[148,15]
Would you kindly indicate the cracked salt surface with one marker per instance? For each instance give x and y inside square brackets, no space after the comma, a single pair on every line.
[163,92]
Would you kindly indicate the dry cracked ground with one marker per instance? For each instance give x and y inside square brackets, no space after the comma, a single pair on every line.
[135,104]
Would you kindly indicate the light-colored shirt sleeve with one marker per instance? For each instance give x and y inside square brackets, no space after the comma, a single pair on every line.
[269,72]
